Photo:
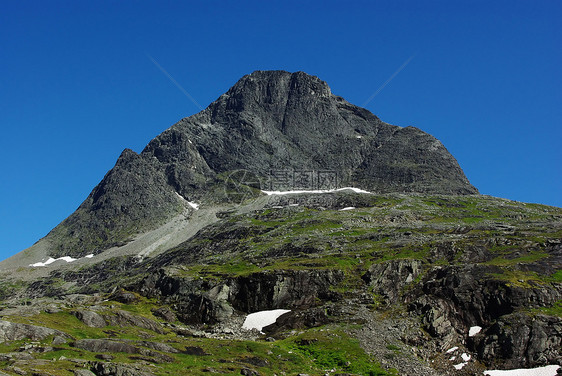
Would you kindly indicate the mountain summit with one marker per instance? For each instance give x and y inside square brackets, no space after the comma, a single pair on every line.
[285,129]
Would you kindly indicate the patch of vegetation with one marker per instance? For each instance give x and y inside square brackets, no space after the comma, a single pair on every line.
[554,310]
[524,259]
[336,350]
[519,278]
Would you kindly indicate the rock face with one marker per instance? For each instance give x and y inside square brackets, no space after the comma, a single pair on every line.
[286,129]
[10,331]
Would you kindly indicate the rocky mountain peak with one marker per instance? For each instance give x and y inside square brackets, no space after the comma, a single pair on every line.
[268,123]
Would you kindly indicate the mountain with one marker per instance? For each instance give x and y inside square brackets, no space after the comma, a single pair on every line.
[269,123]
[349,245]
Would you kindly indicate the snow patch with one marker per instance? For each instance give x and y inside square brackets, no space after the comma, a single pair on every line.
[258,320]
[194,205]
[460,365]
[348,208]
[63,258]
[540,371]
[67,258]
[356,190]
[51,260]
[474,330]
[452,349]
[465,357]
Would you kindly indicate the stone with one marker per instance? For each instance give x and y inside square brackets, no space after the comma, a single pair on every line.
[83,372]
[14,332]
[105,345]
[90,318]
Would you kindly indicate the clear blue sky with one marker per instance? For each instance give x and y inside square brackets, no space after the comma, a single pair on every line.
[77,85]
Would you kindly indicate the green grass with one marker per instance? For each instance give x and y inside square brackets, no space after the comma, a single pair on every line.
[525,259]
[554,310]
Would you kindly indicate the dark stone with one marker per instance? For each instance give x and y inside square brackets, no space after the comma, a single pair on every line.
[125,297]
[194,350]
[165,313]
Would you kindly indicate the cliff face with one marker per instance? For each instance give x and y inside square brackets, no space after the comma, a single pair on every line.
[287,130]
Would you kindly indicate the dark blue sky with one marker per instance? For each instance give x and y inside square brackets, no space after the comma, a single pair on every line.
[77,85]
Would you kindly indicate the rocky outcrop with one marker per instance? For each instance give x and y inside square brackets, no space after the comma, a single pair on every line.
[105,345]
[90,318]
[10,331]
[196,301]
[124,318]
[521,340]
[388,279]
[115,369]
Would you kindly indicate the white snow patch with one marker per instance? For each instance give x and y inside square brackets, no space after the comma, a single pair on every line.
[465,357]
[452,349]
[358,136]
[348,208]
[63,258]
[474,330]
[194,205]
[460,365]
[51,260]
[258,320]
[452,358]
[540,371]
[356,190]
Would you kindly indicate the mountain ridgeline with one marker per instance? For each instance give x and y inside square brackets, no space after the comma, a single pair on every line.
[268,123]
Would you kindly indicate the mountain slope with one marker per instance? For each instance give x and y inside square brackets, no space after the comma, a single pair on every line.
[372,282]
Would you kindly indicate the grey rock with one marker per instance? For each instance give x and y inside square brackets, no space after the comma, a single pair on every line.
[105,345]
[166,314]
[125,297]
[124,318]
[519,340]
[90,318]
[389,278]
[83,372]
[18,371]
[249,372]
[58,340]
[115,369]
[14,332]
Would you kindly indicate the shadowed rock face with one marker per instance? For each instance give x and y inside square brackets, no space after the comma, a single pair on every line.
[269,120]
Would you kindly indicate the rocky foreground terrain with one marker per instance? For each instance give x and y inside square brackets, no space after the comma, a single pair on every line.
[412,272]
[384,288]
